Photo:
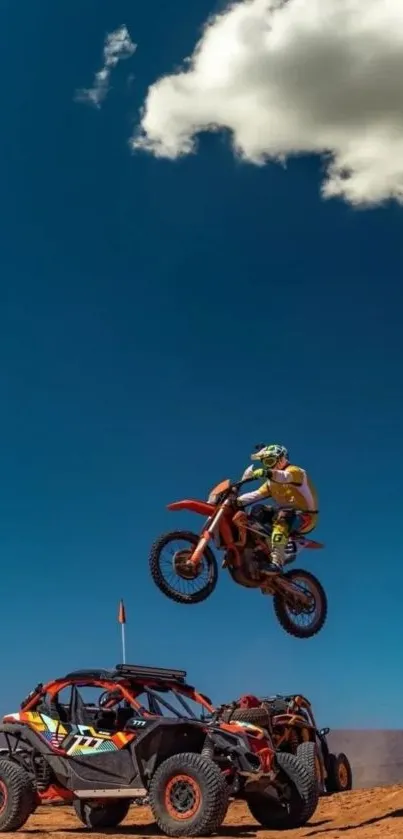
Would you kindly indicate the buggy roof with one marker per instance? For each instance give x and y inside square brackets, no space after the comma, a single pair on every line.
[131,672]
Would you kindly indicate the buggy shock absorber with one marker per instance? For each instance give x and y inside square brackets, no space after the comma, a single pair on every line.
[208,748]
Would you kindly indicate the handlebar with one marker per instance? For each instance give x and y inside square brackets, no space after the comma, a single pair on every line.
[238,484]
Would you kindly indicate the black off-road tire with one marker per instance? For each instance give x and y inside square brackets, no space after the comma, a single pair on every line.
[333,781]
[158,577]
[225,802]
[208,752]
[18,794]
[96,816]
[208,787]
[302,803]
[281,610]
[309,754]
[233,781]
[256,716]
[305,784]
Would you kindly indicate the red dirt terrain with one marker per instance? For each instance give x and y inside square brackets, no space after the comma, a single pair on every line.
[361,814]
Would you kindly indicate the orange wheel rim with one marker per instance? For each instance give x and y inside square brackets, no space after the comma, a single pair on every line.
[182,569]
[182,797]
[343,775]
[3,796]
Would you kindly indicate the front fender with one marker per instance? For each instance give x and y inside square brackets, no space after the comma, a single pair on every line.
[193,506]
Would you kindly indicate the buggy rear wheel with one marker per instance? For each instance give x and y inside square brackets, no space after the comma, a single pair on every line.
[298,802]
[17,796]
[98,815]
[172,575]
[188,795]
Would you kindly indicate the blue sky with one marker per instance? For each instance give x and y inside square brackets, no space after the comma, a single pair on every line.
[157,319]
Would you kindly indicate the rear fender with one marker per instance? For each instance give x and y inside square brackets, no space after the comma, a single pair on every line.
[311,544]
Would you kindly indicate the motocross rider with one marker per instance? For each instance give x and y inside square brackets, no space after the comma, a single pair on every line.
[295,496]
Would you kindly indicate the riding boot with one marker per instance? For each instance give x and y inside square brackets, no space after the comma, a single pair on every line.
[274,565]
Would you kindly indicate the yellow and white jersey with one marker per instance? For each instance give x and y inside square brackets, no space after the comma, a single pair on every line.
[289,487]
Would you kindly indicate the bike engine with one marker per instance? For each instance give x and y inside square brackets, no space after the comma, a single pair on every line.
[253,560]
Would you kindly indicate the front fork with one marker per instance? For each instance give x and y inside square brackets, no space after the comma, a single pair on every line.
[205,538]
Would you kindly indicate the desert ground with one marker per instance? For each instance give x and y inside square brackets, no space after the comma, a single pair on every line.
[361,814]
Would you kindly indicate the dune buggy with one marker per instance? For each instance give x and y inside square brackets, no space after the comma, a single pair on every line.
[292,726]
[148,734]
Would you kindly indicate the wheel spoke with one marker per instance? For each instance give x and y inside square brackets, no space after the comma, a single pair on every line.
[303,616]
[174,579]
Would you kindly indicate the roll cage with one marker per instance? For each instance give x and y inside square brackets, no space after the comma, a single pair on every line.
[127,690]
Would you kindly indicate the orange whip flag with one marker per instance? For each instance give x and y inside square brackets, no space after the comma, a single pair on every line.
[122,621]
[122,612]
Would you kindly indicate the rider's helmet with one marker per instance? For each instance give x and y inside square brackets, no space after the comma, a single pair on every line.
[271,456]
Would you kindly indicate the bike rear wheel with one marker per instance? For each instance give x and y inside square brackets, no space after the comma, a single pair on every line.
[288,613]
[173,578]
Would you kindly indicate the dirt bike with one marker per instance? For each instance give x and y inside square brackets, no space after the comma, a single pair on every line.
[296,593]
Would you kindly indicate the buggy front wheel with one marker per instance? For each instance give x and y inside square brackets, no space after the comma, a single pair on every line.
[308,752]
[298,803]
[339,773]
[188,795]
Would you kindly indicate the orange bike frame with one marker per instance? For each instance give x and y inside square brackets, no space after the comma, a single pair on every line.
[216,516]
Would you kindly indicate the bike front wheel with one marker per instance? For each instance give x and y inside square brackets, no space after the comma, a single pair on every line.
[172,574]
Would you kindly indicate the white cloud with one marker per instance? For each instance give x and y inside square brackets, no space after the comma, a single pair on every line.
[118,45]
[294,76]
